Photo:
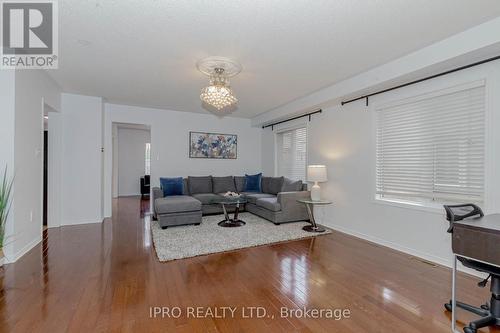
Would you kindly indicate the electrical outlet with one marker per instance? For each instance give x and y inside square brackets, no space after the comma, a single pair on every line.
[31,216]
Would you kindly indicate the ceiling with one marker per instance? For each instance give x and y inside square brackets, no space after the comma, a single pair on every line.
[144,52]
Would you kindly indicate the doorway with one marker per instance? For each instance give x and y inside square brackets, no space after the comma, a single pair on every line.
[50,167]
[132,162]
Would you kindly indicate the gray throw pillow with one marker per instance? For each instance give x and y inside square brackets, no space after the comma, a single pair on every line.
[292,186]
[272,185]
[240,182]
[265,184]
[200,184]
[223,184]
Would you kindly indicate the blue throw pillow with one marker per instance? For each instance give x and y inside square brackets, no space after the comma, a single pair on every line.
[172,186]
[253,183]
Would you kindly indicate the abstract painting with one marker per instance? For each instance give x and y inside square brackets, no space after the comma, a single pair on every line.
[213,145]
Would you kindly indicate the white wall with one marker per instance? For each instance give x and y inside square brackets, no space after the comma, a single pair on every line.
[131,161]
[33,89]
[343,138]
[170,146]
[114,161]
[7,103]
[81,159]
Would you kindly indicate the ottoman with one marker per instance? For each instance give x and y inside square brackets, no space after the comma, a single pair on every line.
[177,210]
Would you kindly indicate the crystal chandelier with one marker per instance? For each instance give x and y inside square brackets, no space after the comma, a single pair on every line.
[218,93]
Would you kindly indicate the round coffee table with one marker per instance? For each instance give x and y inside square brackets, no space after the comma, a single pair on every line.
[231,201]
[310,211]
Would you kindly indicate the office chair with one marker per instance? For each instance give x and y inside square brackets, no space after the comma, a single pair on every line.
[490,312]
[145,186]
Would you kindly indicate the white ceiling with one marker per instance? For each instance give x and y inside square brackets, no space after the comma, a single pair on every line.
[143,52]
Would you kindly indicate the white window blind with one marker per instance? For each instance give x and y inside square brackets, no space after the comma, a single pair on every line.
[292,153]
[432,148]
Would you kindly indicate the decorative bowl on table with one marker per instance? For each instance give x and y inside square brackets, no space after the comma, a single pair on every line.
[230,194]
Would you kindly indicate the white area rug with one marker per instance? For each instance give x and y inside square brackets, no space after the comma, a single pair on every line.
[191,241]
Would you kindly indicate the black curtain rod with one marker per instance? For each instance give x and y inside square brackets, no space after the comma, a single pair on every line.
[287,120]
[420,80]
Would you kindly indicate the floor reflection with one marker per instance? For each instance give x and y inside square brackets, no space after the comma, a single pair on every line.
[294,278]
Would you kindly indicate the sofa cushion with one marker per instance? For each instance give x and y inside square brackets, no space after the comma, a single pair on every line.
[272,185]
[291,186]
[269,203]
[176,204]
[252,196]
[240,182]
[200,184]
[223,184]
[172,186]
[206,198]
[253,183]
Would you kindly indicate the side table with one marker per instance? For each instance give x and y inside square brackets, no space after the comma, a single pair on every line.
[310,211]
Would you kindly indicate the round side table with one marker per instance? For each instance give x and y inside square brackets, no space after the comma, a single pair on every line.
[310,211]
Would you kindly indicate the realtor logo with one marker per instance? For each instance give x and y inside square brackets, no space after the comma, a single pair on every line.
[29,35]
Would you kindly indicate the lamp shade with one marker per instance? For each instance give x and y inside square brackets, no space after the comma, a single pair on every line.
[316,173]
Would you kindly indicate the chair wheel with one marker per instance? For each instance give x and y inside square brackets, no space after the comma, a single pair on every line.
[447,306]
[469,330]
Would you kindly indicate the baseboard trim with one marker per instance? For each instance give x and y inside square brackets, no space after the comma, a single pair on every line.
[81,222]
[413,252]
[23,251]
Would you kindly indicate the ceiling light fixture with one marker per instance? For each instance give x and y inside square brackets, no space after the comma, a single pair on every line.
[218,93]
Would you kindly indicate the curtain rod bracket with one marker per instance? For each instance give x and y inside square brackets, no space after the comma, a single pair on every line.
[298,117]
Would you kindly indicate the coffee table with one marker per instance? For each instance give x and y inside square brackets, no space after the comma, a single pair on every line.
[310,211]
[231,201]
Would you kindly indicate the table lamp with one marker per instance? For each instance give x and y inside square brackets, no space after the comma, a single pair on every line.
[316,174]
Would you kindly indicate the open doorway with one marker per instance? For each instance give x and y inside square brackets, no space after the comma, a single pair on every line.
[49,167]
[132,162]
[45,170]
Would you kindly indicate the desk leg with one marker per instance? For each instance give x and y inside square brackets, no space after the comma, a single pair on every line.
[453,295]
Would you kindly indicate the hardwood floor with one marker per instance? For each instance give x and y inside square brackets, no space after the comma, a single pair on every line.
[105,278]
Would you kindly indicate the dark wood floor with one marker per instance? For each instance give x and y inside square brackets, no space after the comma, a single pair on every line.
[105,277]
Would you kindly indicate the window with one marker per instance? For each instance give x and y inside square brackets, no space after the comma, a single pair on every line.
[147,159]
[431,148]
[292,153]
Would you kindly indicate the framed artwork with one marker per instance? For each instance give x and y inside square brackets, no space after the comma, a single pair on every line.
[213,145]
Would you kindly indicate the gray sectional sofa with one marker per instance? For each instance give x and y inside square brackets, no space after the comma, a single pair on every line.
[277,202]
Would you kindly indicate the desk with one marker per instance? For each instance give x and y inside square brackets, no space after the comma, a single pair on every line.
[477,239]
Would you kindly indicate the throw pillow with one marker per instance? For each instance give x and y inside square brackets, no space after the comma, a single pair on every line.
[172,186]
[223,184]
[272,185]
[253,183]
[240,182]
[200,184]
[291,186]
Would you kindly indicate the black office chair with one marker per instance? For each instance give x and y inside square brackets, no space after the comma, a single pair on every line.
[145,186]
[490,312]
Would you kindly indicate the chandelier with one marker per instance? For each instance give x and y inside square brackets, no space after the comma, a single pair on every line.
[218,93]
